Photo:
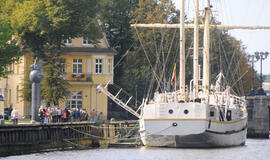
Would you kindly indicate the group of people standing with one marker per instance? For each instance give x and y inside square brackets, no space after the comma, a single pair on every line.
[56,114]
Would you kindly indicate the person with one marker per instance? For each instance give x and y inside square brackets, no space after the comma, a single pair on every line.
[77,115]
[14,116]
[65,115]
[41,114]
[47,114]
[101,116]
[59,114]
[92,115]
[54,114]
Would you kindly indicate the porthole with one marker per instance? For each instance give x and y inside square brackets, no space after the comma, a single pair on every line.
[171,111]
[186,111]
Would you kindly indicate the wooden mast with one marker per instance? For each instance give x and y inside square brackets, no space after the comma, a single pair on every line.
[206,55]
[182,51]
[196,52]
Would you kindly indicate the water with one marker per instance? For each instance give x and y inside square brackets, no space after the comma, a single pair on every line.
[253,150]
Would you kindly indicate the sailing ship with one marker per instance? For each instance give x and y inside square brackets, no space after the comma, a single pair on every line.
[209,118]
[204,117]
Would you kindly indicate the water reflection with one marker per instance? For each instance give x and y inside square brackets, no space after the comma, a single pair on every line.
[254,149]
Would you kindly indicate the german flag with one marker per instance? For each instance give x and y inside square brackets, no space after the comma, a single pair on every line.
[173,74]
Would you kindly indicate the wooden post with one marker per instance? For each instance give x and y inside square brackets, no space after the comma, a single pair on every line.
[111,131]
[105,130]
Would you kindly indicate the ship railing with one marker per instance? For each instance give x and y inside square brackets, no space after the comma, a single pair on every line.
[225,97]
[167,96]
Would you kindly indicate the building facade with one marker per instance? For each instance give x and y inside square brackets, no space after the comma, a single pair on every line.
[85,65]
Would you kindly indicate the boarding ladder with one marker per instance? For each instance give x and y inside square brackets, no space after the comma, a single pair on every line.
[117,100]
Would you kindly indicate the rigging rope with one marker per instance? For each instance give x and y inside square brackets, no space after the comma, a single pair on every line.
[155,75]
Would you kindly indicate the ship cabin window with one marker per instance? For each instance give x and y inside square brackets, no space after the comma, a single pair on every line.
[212,113]
[229,115]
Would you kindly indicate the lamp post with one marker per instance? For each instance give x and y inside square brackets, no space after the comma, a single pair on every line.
[252,60]
[261,56]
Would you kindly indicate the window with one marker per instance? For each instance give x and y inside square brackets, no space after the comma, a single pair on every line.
[98,66]
[77,66]
[86,42]
[109,65]
[17,94]
[74,100]
[68,42]
[63,65]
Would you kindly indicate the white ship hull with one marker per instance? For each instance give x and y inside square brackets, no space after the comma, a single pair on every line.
[160,128]
[219,134]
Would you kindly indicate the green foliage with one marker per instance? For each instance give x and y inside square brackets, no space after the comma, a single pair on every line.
[39,23]
[116,16]
[43,25]
[54,87]
[9,51]
[27,87]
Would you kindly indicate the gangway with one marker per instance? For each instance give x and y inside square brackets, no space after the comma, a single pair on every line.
[117,100]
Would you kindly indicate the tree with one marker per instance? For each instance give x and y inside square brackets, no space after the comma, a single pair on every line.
[9,51]
[54,87]
[43,25]
[155,50]
[116,17]
[46,23]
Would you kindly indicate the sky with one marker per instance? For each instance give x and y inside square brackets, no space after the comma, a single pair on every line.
[242,12]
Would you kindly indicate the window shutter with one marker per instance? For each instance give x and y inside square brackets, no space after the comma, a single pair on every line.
[89,66]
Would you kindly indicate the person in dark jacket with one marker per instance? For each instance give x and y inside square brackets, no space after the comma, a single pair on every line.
[77,115]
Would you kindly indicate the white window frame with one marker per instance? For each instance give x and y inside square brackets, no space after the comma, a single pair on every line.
[99,64]
[85,42]
[68,42]
[75,100]
[109,65]
[77,63]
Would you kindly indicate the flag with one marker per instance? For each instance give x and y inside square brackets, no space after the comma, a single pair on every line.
[173,74]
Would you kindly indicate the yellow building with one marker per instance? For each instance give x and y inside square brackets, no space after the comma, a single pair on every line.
[86,66]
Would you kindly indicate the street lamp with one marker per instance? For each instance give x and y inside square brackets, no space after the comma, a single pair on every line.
[261,56]
[252,60]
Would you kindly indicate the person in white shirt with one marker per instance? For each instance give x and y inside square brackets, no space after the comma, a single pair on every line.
[14,116]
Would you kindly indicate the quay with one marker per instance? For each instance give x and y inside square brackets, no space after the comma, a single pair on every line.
[30,138]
